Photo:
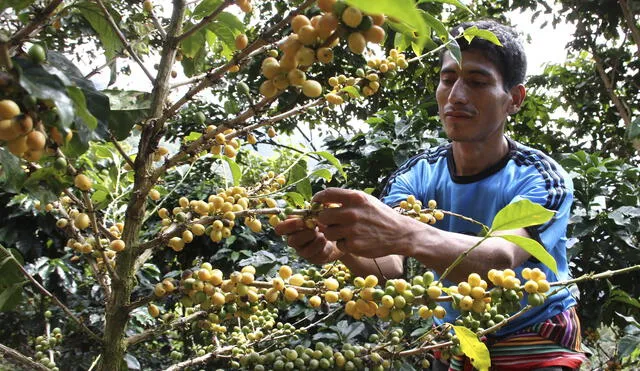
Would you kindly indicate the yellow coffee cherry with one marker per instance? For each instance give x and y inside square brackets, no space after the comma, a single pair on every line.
[543,286]
[537,274]
[474,279]
[346,294]
[477,292]
[526,273]
[83,182]
[464,288]
[370,281]
[531,286]
[277,283]
[466,303]
[315,301]
[434,292]
[387,301]
[424,312]
[290,294]
[331,284]
[285,272]
[331,296]
[117,245]
[439,312]
[297,279]
[153,310]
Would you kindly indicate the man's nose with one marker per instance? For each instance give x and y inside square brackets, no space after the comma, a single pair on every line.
[458,93]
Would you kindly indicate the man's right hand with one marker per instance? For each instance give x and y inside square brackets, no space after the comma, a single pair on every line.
[310,244]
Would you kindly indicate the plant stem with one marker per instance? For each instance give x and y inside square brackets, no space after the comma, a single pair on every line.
[20,359]
[46,293]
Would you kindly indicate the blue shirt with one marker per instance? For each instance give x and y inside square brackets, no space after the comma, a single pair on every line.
[523,173]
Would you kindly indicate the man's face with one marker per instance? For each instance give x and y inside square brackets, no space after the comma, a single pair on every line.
[472,103]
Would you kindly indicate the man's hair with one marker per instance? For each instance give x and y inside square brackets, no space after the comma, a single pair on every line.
[510,58]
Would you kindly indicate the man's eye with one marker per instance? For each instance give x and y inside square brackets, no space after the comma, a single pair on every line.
[478,83]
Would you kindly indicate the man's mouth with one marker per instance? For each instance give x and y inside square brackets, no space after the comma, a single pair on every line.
[459,114]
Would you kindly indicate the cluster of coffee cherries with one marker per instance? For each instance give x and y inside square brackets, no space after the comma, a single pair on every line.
[318,356]
[367,80]
[313,40]
[412,206]
[19,134]
[216,217]
[78,224]
[44,345]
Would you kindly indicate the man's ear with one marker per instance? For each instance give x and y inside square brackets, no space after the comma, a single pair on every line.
[518,93]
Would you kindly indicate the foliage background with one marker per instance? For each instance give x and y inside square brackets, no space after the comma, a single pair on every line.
[593,140]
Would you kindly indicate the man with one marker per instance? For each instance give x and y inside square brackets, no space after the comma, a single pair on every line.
[478,173]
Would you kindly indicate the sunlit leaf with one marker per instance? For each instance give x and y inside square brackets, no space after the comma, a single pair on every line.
[474,31]
[473,348]
[332,160]
[402,11]
[520,214]
[534,248]
[456,3]
[96,18]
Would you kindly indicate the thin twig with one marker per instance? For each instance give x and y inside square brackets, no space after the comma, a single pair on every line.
[596,276]
[120,150]
[123,39]
[34,26]
[216,74]
[45,292]
[134,339]
[11,354]
[206,20]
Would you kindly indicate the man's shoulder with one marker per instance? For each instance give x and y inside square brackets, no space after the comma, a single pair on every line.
[524,155]
[429,156]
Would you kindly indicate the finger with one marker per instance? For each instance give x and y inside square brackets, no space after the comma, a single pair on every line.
[337,232]
[316,251]
[302,238]
[345,197]
[289,226]
[338,215]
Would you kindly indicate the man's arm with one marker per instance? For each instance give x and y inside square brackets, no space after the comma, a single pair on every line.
[365,227]
[312,245]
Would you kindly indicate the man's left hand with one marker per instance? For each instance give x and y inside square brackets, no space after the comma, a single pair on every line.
[363,225]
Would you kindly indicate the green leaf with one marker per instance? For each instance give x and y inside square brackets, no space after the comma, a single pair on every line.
[298,175]
[205,8]
[474,31]
[436,25]
[332,160]
[127,108]
[404,11]
[192,45]
[352,90]
[226,26]
[107,35]
[520,214]
[17,5]
[12,176]
[457,3]
[633,131]
[80,106]
[194,135]
[534,248]
[454,50]
[295,198]
[42,85]
[236,173]
[473,348]
[321,173]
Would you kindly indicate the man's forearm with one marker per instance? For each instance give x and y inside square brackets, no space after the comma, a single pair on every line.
[385,267]
[438,249]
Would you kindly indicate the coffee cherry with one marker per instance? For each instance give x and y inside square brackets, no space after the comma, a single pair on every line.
[352,17]
[241,41]
[82,182]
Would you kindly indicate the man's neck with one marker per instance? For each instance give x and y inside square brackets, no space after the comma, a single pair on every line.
[472,158]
